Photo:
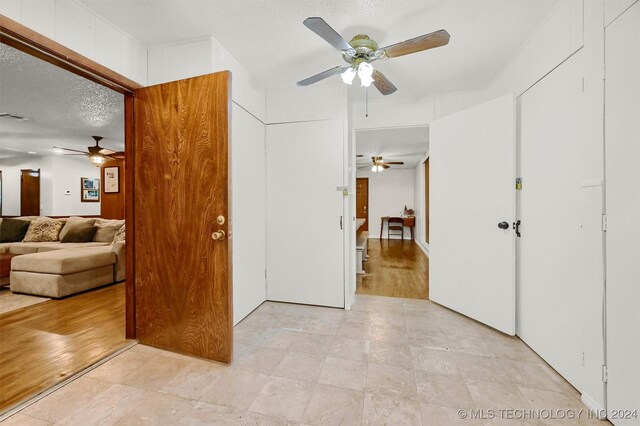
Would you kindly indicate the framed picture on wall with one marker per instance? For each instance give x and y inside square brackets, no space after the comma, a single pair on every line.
[89,190]
[111,180]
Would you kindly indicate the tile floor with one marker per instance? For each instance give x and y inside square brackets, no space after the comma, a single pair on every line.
[387,362]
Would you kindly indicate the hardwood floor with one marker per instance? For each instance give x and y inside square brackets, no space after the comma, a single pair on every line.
[44,344]
[395,269]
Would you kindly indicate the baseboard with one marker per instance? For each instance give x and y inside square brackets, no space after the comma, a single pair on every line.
[423,248]
[598,411]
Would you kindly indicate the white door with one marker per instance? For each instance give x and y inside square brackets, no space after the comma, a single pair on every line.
[305,237]
[622,152]
[472,181]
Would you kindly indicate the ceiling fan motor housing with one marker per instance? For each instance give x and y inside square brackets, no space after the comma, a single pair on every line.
[364,50]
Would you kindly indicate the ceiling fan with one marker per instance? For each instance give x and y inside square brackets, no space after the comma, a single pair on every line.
[96,154]
[378,164]
[361,51]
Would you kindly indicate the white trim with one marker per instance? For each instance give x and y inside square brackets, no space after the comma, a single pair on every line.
[595,408]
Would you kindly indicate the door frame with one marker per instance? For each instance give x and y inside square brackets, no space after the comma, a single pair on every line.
[25,39]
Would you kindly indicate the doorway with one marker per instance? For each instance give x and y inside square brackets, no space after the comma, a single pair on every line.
[426,200]
[30,192]
[164,320]
[391,259]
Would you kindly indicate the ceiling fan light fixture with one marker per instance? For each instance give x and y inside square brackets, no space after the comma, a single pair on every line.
[348,76]
[97,160]
[365,73]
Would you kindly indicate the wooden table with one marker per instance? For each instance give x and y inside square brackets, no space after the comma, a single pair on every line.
[5,267]
[408,221]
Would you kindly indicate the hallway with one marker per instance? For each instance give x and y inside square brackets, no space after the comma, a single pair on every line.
[395,269]
[388,361]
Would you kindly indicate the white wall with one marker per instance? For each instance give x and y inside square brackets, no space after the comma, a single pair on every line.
[57,175]
[248,212]
[573,347]
[80,29]
[389,192]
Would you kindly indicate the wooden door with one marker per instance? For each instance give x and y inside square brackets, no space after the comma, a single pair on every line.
[426,201]
[112,203]
[30,192]
[182,193]
[362,201]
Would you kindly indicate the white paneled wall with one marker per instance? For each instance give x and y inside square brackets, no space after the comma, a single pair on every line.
[80,29]
[248,212]
[559,37]
[613,9]
[555,301]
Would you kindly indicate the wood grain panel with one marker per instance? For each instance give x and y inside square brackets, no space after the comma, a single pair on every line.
[129,208]
[112,204]
[183,277]
[362,202]
[44,344]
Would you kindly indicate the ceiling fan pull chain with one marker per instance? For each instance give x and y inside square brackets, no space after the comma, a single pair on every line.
[366,102]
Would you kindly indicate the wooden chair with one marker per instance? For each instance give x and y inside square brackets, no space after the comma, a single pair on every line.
[395,224]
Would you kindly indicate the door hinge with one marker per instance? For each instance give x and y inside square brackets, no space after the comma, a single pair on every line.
[604,223]
[605,374]
[340,222]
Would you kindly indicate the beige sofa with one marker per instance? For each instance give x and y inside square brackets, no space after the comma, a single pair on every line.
[55,269]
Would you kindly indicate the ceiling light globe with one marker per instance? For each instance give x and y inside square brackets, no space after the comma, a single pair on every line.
[97,160]
[348,76]
[365,73]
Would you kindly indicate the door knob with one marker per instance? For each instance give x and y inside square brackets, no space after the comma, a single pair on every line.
[218,235]
[503,225]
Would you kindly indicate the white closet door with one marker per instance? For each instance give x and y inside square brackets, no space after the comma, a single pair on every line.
[472,172]
[305,237]
[622,123]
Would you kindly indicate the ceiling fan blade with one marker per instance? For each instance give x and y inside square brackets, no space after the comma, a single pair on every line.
[382,83]
[76,154]
[365,166]
[105,151]
[324,30]
[69,149]
[394,162]
[328,73]
[418,44]
[384,166]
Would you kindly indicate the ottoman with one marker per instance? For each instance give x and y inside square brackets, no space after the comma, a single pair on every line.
[61,273]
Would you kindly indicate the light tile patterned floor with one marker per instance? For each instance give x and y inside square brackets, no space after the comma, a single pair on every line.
[387,362]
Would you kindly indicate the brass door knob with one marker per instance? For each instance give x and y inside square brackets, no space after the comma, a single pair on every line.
[218,235]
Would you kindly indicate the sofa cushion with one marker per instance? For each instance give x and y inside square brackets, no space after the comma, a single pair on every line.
[43,229]
[81,233]
[13,230]
[107,230]
[75,221]
[27,248]
[63,262]
[63,246]
[119,237]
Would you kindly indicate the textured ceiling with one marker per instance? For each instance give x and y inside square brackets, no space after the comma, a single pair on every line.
[62,108]
[268,37]
[408,144]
